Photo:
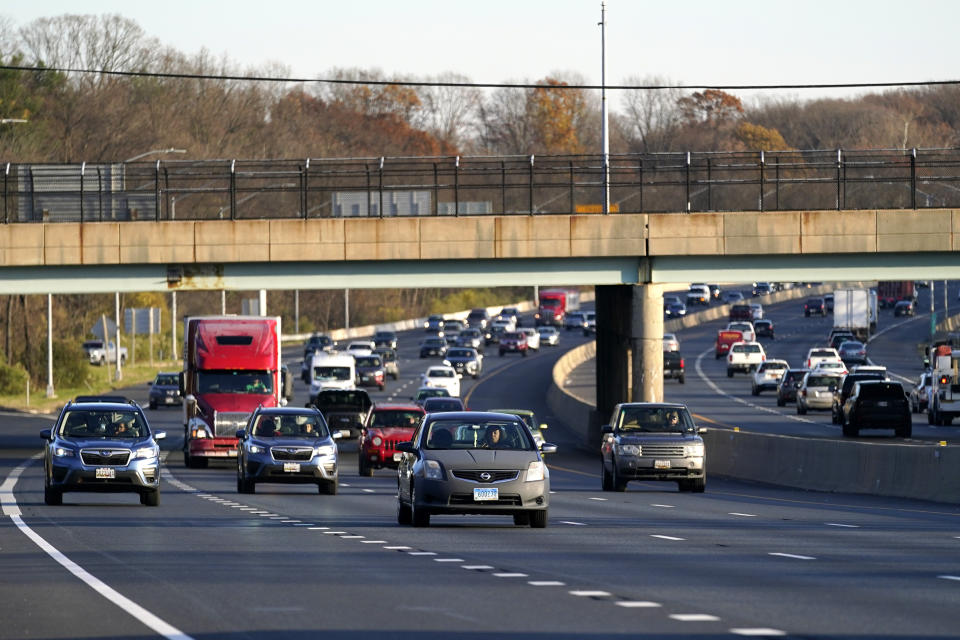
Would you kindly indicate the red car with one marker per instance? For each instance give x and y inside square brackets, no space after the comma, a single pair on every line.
[386,425]
[513,342]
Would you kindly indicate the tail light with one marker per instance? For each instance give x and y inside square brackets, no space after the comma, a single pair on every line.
[681,363]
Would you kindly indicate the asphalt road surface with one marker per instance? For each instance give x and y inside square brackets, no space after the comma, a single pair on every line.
[738,560]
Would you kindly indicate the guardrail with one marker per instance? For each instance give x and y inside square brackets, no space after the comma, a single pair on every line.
[471,185]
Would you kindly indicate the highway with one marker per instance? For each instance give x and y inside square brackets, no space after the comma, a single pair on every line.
[741,560]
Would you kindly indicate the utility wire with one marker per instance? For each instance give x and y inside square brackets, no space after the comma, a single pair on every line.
[481,85]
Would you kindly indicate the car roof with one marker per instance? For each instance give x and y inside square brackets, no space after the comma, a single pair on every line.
[516,412]
[396,407]
[94,405]
[473,416]
[289,411]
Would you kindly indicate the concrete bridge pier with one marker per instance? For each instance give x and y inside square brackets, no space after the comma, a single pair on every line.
[629,348]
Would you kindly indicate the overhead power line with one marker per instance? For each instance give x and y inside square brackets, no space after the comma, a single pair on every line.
[482,85]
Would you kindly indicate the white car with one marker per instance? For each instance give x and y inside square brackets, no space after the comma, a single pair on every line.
[831,366]
[533,337]
[441,376]
[361,347]
[745,328]
[548,335]
[745,356]
[820,354]
[507,325]
[768,375]
[670,342]
[756,309]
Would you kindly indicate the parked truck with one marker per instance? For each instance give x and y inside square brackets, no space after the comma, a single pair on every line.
[554,304]
[856,311]
[231,366]
[98,353]
[890,292]
[944,403]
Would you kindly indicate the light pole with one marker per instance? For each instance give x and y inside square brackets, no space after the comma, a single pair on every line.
[605,133]
[150,153]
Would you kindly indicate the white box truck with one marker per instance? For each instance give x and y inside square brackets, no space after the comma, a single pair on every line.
[855,310]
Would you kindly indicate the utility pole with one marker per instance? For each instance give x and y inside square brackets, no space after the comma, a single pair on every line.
[49,346]
[605,132]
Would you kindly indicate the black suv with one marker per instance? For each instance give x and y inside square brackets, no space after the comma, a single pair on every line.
[103,447]
[877,404]
[841,395]
[814,306]
[790,382]
[673,366]
[478,318]
[343,409]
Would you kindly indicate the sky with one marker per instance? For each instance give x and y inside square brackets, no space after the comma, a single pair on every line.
[696,42]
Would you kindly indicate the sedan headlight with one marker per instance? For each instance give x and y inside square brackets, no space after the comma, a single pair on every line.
[325,450]
[432,470]
[63,452]
[255,448]
[535,471]
[693,450]
[147,453]
[629,449]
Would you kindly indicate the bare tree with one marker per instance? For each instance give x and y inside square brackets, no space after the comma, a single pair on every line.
[651,117]
[447,112]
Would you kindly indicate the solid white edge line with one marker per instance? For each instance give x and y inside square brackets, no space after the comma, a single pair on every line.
[10,508]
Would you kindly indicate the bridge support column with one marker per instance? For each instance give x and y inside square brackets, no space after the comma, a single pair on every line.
[629,348]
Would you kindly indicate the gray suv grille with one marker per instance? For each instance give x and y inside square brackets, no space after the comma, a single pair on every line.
[292,454]
[105,457]
[662,450]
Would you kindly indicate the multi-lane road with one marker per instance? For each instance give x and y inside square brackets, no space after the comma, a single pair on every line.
[740,559]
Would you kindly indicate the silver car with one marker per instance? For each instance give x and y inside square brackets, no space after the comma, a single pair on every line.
[287,445]
[473,463]
[816,391]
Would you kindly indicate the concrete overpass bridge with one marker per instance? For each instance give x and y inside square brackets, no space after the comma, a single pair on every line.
[627,257]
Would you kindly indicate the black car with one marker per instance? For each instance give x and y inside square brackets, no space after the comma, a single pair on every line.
[903,308]
[673,366]
[165,390]
[493,334]
[441,404]
[846,388]
[105,447]
[790,382]
[741,312]
[764,329]
[478,318]
[287,445]
[814,306]
[385,339]
[465,361]
[877,404]
[436,347]
[344,409]
[371,372]
[318,342]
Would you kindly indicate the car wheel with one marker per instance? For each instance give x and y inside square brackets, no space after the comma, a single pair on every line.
[930,416]
[619,484]
[153,405]
[683,486]
[501,353]
[606,480]
[729,373]
[103,361]
[754,391]
[365,469]
[329,488]
[681,379]
[905,431]
[521,519]
[848,430]
[524,352]
[150,498]
[538,519]
[51,496]
[781,402]
[403,513]
[801,410]
[419,516]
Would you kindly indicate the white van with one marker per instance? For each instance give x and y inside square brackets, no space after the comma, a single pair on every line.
[331,371]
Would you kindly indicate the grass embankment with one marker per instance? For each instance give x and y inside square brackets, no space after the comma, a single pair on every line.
[101,380]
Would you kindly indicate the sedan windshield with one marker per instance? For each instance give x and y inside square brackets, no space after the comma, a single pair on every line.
[478,434]
[103,424]
[654,420]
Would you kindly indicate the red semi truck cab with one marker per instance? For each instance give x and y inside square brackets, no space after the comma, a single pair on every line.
[554,304]
[231,366]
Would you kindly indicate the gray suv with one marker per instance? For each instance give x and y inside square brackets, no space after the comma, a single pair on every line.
[102,447]
[652,441]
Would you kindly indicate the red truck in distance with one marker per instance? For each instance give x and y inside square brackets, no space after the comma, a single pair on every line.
[889,292]
[554,304]
[231,366]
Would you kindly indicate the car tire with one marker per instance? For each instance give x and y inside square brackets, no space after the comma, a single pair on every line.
[364,469]
[329,488]
[153,405]
[51,496]
[698,485]
[729,373]
[521,519]
[382,387]
[801,410]
[930,416]
[905,431]
[848,430]
[524,352]
[150,498]
[619,484]
[419,516]
[754,391]
[501,353]
[781,402]
[606,479]
[681,379]
[404,516]
[538,519]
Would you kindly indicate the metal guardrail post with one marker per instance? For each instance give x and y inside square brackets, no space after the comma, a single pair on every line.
[688,181]
[503,187]
[913,178]
[839,177]
[100,197]
[233,189]
[456,187]
[777,189]
[380,185]
[640,168]
[762,165]
[6,194]
[304,178]
[83,170]
[436,191]
[366,199]
[156,192]
[530,191]
[709,185]
[572,207]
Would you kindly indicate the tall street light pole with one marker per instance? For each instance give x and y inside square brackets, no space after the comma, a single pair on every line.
[605,133]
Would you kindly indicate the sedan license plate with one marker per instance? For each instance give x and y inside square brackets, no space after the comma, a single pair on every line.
[883,403]
[106,473]
[168,400]
[481,494]
[661,464]
[291,467]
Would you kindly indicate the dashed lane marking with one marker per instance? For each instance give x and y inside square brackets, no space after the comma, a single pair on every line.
[693,617]
[791,556]
[845,526]
[638,604]
[761,632]
[663,537]
[583,593]
[546,583]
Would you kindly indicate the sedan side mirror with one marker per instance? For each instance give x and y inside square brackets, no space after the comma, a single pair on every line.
[543,426]
[406,447]
[159,435]
[338,434]
[241,434]
[701,429]
[546,447]
[606,429]
[46,434]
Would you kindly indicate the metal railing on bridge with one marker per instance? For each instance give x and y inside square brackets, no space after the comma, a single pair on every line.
[452,186]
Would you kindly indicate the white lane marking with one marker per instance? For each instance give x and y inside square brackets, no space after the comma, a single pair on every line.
[10,508]
[344,484]
[949,578]
[637,604]
[290,521]
[368,490]
[304,524]
[352,537]
[318,528]
[546,583]
[510,575]
[334,533]
[694,617]
[477,567]
[598,499]
[742,515]
[760,631]
[398,548]
[837,524]
[422,553]
[582,593]
[663,506]
[448,559]
[792,556]
[662,537]
[575,524]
